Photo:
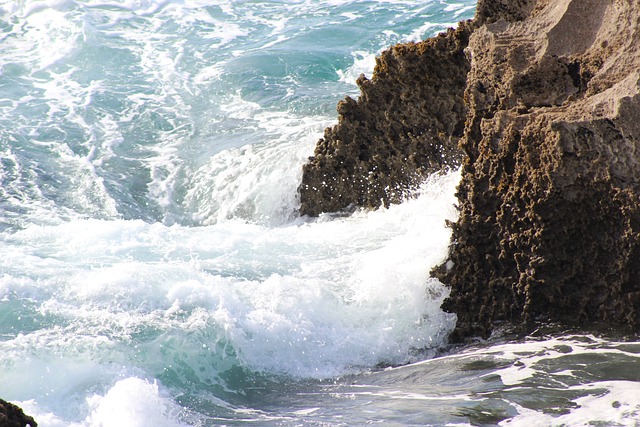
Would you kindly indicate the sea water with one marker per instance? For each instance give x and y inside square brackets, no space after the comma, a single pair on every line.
[153,268]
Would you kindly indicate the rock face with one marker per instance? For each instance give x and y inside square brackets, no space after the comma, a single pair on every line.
[405,125]
[12,416]
[549,201]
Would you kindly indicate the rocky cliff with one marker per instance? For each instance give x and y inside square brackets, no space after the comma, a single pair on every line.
[549,201]
[549,225]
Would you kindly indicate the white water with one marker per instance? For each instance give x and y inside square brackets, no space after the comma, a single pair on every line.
[153,269]
[113,304]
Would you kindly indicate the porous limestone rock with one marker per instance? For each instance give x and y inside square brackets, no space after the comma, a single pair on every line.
[404,126]
[12,416]
[549,201]
[488,11]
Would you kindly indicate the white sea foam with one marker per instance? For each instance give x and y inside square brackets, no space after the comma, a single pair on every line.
[130,402]
[363,63]
[133,402]
[314,294]
[602,403]
[51,37]
[428,29]
[255,183]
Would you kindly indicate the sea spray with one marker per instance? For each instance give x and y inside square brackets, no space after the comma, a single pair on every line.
[190,305]
[153,270]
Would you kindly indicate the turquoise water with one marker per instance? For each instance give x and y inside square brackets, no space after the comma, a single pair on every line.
[153,270]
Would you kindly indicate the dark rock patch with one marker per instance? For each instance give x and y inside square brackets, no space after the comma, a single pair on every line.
[405,125]
[12,416]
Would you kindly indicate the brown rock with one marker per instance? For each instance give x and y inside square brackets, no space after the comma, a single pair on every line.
[549,225]
[404,126]
[488,11]
[12,416]
[549,201]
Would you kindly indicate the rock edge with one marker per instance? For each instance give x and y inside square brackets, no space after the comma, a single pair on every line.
[405,125]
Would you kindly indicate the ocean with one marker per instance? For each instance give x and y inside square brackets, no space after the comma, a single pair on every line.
[153,268]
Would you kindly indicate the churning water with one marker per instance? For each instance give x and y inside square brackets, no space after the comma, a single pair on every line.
[153,269]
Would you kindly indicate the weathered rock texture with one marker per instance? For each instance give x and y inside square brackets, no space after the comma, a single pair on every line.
[12,416]
[405,125]
[549,225]
[549,201]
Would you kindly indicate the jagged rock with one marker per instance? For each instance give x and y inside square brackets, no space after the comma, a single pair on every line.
[13,416]
[549,201]
[404,126]
[488,11]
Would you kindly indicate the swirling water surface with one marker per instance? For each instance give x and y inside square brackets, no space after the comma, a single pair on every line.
[153,269]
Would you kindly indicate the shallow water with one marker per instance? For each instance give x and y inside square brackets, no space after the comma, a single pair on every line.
[153,269]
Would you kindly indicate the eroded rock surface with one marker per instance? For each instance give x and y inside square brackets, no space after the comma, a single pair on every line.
[549,201]
[549,225]
[405,125]
[13,416]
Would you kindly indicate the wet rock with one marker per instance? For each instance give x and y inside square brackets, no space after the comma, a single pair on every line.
[405,125]
[12,416]
[549,200]
[549,226]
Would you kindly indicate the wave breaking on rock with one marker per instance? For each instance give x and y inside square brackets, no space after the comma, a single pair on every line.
[540,102]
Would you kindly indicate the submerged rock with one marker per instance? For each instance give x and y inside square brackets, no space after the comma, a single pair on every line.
[12,416]
[404,126]
[549,201]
